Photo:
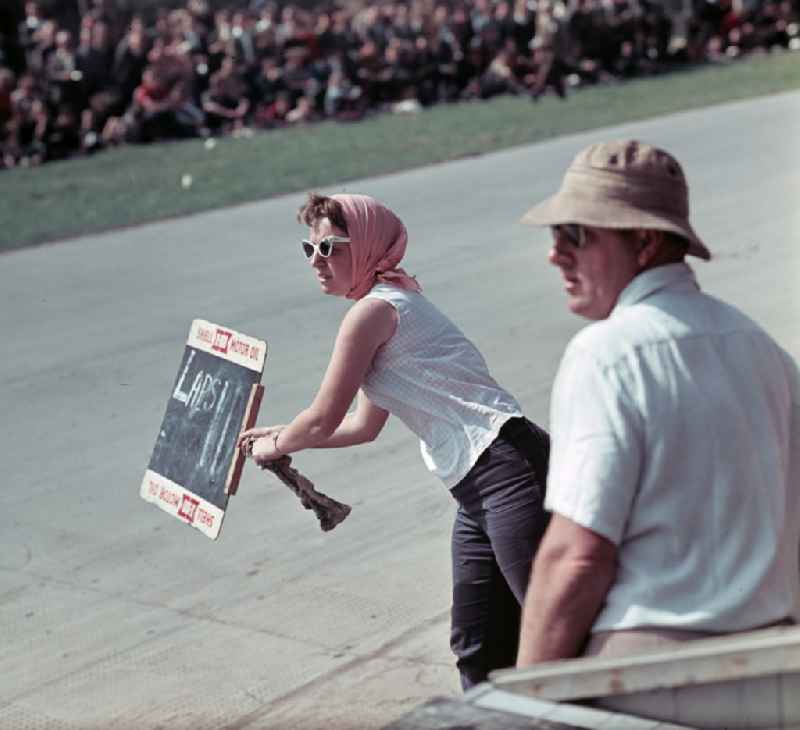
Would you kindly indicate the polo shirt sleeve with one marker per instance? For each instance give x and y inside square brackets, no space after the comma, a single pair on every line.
[597,445]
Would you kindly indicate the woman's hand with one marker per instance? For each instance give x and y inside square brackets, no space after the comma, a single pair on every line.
[263,450]
[248,438]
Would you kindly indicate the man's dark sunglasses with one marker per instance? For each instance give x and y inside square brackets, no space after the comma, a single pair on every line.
[573,232]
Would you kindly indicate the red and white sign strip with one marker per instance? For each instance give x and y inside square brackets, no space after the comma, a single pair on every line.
[181,503]
[228,344]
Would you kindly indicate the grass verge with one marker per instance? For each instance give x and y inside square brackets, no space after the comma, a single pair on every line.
[136,184]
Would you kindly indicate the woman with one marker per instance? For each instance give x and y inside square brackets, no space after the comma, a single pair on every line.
[396,353]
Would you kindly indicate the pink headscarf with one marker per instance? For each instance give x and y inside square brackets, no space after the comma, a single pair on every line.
[378,241]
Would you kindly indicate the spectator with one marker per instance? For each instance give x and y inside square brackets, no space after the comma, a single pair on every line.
[95,58]
[274,114]
[63,138]
[295,71]
[419,52]
[62,64]
[481,15]
[202,17]
[524,24]
[426,73]
[94,118]
[7,84]
[302,112]
[266,86]
[504,22]
[220,39]
[64,80]
[500,77]
[397,78]
[225,104]
[130,58]
[44,44]
[243,45]
[162,111]
[342,99]
[27,30]
[26,112]
[24,95]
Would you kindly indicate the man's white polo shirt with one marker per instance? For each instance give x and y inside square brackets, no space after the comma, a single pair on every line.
[671,426]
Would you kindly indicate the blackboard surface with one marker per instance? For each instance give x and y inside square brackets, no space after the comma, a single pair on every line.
[193,468]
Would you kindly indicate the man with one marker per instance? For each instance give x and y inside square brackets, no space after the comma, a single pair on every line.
[673,420]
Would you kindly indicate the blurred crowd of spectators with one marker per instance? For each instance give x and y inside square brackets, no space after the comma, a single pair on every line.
[100,79]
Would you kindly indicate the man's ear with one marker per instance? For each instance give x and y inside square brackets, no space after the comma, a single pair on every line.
[648,245]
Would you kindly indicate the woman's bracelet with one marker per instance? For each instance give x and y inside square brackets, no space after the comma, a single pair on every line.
[275,443]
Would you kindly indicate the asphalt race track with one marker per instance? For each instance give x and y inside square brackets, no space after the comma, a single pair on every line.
[112,614]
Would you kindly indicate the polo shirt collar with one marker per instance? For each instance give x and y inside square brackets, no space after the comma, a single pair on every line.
[677,277]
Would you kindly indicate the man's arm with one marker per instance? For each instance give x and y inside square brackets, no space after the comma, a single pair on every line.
[572,574]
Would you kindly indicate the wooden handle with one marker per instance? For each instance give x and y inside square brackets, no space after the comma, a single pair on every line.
[250,416]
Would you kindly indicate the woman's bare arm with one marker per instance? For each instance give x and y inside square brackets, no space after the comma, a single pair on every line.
[366,326]
[358,427]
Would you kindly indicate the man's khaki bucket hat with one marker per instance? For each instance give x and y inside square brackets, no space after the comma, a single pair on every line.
[622,184]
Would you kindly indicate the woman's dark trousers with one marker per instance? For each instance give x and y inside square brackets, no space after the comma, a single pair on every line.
[498,526]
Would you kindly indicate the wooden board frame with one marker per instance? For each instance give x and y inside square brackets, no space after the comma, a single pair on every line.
[195,466]
[250,416]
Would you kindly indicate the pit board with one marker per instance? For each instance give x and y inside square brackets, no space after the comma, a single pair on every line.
[195,466]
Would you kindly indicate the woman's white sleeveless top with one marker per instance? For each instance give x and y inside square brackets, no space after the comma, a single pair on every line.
[434,380]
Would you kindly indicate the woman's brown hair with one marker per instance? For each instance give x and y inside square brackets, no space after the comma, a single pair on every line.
[318,207]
